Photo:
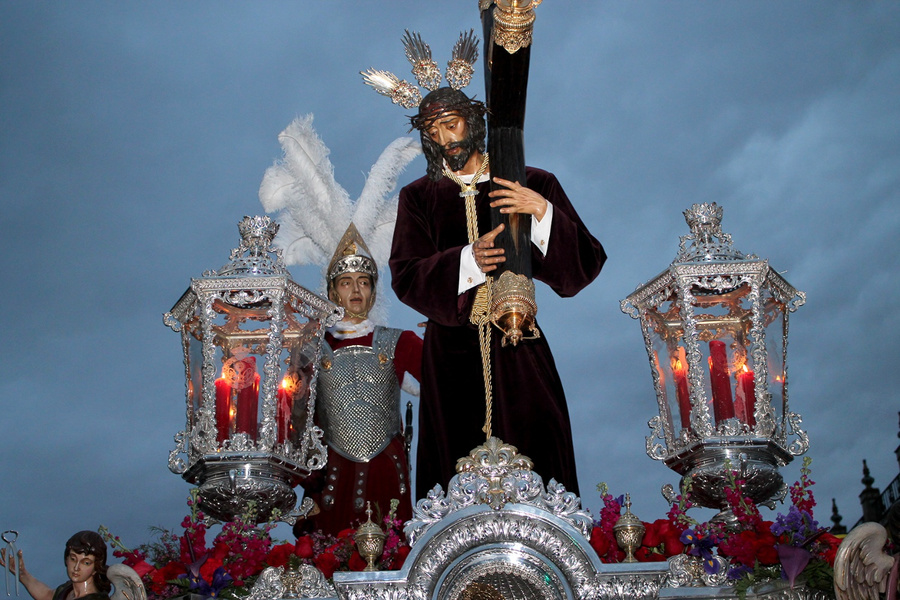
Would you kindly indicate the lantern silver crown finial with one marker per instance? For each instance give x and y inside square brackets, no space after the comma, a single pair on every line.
[255,255]
[707,241]
[258,232]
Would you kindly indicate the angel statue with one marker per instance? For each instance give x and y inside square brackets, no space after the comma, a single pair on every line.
[89,576]
[862,569]
[364,363]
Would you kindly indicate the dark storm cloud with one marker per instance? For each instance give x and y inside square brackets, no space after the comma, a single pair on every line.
[133,137]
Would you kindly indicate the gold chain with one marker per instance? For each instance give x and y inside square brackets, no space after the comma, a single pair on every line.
[480,315]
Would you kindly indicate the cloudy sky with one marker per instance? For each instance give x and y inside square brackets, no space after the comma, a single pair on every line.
[133,138]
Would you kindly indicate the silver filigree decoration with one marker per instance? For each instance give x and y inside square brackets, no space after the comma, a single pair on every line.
[668,492]
[313,584]
[213,317]
[801,444]
[686,570]
[495,464]
[176,462]
[380,592]
[495,474]
[268,585]
[655,450]
[306,582]
[637,586]
[706,241]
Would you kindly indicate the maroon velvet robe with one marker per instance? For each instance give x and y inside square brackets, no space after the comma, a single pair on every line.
[529,405]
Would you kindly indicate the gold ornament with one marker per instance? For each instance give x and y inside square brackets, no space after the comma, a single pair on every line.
[369,540]
[629,532]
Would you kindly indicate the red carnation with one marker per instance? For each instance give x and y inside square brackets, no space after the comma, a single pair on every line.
[599,542]
[672,543]
[208,569]
[142,567]
[356,562]
[327,563]
[764,548]
[279,555]
[653,533]
[166,573]
[831,543]
[304,547]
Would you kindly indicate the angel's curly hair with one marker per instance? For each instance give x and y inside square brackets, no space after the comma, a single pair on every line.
[91,543]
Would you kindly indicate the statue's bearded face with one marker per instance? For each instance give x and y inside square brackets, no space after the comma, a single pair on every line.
[451,133]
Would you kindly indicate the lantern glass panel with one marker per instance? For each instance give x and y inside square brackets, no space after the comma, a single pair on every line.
[191,333]
[239,341]
[671,364]
[724,321]
[296,361]
[775,323]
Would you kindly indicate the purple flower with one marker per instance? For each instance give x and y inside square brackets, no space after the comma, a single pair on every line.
[739,571]
[798,525]
[702,547]
[221,579]
[793,560]
[688,537]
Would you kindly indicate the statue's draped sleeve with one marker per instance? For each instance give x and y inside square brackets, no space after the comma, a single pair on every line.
[431,232]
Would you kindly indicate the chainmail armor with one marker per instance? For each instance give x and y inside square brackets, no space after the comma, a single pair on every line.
[358,401]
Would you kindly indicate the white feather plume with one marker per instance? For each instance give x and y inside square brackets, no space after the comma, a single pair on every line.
[314,211]
[302,187]
[375,212]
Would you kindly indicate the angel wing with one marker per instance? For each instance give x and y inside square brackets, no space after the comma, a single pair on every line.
[862,569]
[127,582]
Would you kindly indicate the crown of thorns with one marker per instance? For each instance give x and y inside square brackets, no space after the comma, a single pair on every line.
[458,74]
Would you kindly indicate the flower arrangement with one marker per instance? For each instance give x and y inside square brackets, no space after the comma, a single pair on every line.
[793,547]
[174,565]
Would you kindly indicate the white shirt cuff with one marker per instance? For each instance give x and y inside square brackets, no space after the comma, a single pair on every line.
[540,230]
[469,273]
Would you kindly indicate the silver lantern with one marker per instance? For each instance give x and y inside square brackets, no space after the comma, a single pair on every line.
[715,326]
[251,339]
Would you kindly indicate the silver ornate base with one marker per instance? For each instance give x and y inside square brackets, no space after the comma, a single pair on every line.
[229,481]
[498,532]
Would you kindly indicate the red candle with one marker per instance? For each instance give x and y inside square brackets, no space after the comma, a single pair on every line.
[247,386]
[223,409]
[723,405]
[679,369]
[745,396]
